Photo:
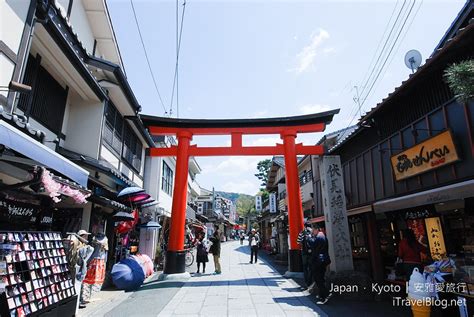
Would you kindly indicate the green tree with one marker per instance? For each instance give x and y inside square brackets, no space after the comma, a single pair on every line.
[246,208]
[264,193]
[460,78]
[263,167]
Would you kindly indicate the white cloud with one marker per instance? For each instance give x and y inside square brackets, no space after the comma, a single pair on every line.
[329,50]
[305,59]
[269,141]
[241,186]
[313,108]
[236,165]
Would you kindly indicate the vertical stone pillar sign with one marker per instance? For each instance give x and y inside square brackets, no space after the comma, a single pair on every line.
[335,213]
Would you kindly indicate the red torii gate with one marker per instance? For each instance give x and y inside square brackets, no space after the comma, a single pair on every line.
[185,129]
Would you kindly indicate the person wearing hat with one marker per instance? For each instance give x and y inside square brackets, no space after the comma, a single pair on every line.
[254,240]
[95,275]
[303,239]
[84,252]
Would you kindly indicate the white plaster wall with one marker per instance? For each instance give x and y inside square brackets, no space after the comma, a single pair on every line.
[12,18]
[83,127]
[80,23]
[86,216]
[6,72]
[12,23]
[108,156]
[152,175]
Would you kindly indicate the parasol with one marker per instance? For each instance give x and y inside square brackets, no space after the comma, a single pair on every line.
[128,274]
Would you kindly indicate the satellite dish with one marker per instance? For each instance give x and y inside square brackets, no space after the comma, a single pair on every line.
[413,60]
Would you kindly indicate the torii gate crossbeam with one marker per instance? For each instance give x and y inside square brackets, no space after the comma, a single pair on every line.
[184,129]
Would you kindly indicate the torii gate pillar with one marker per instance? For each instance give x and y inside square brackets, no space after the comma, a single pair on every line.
[175,255]
[295,209]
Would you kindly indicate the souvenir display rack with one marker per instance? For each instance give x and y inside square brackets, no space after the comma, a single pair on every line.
[35,275]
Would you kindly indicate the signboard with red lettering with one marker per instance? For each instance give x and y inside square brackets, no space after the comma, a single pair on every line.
[430,154]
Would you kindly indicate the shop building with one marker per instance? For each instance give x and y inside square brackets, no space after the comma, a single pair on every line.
[409,163]
[70,109]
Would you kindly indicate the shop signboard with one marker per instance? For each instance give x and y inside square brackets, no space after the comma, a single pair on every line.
[273,203]
[419,212]
[433,153]
[435,238]
[18,212]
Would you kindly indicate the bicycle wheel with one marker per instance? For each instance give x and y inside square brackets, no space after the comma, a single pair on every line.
[189,258]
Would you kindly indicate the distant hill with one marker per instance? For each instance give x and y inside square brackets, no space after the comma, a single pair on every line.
[233,196]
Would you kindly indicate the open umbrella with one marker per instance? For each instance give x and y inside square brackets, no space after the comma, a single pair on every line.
[151,225]
[130,191]
[127,274]
[123,216]
[136,198]
[144,202]
[152,203]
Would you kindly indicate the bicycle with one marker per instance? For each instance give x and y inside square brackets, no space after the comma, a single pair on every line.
[189,257]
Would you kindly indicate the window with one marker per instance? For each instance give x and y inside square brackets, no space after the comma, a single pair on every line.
[132,149]
[113,128]
[167,179]
[48,101]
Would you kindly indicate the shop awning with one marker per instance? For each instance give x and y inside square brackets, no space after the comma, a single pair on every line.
[451,192]
[27,146]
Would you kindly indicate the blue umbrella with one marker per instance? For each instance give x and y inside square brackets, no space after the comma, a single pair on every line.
[130,191]
[127,274]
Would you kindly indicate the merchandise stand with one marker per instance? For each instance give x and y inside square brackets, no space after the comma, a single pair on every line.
[35,275]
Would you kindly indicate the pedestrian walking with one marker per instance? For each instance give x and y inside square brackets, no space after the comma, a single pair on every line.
[242,238]
[201,251]
[320,261]
[304,239]
[254,240]
[216,251]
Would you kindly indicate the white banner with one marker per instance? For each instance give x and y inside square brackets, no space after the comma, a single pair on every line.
[258,203]
[273,203]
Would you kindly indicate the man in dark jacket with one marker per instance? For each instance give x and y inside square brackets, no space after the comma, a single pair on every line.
[254,240]
[320,260]
[304,239]
[216,251]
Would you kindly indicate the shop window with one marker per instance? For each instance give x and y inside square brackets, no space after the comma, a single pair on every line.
[167,179]
[113,128]
[48,100]
[132,149]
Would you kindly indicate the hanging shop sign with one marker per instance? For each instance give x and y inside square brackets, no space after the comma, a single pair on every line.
[433,153]
[273,203]
[435,238]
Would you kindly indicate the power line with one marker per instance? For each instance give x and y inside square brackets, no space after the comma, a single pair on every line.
[357,105]
[146,57]
[401,41]
[178,49]
[360,105]
[390,52]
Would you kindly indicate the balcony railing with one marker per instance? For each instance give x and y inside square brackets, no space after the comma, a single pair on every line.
[306,177]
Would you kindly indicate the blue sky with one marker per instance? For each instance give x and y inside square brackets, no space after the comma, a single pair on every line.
[246,59]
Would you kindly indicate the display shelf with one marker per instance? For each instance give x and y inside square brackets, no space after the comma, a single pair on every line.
[37,278]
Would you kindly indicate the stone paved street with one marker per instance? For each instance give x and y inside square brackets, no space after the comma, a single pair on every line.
[243,289]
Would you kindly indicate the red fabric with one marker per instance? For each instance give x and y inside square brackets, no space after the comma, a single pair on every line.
[95,272]
[408,253]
